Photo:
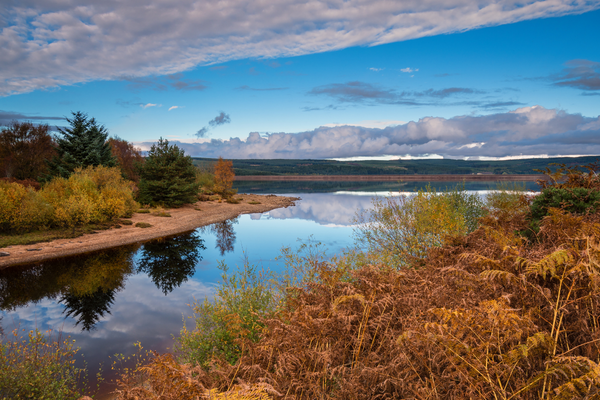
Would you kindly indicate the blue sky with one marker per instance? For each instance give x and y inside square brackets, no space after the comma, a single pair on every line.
[323,79]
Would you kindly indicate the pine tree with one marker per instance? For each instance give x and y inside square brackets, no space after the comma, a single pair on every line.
[168,177]
[83,144]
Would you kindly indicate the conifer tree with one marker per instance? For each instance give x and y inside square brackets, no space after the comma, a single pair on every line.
[83,144]
[168,177]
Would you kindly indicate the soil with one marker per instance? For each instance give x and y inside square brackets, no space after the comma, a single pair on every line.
[181,220]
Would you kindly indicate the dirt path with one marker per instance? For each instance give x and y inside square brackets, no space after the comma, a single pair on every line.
[182,220]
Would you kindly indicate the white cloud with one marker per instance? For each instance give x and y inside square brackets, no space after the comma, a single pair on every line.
[524,131]
[408,70]
[150,105]
[46,43]
[380,124]
[376,69]
[173,108]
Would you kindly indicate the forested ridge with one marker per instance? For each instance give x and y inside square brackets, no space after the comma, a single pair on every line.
[397,167]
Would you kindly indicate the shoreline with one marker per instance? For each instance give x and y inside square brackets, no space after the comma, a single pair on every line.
[384,178]
[182,220]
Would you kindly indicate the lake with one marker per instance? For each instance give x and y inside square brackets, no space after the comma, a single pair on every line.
[108,300]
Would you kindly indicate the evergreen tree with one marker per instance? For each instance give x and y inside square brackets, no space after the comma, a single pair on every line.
[83,144]
[167,177]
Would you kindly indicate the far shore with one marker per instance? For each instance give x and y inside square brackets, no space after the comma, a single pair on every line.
[181,220]
[385,178]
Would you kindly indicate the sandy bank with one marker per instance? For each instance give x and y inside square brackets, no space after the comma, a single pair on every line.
[182,219]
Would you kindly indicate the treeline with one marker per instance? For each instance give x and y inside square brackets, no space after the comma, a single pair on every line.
[446,298]
[397,167]
[81,176]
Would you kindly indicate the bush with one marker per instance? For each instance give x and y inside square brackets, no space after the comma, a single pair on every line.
[241,301]
[400,229]
[39,367]
[168,177]
[22,209]
[93,195]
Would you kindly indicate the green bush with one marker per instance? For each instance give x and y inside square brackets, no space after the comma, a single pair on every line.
[577,200]
[39,367]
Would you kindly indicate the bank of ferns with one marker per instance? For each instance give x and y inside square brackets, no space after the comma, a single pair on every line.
[501,313]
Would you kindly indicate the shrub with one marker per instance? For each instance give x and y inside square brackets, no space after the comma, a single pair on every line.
[168,177]
[39,367]
[22,209]
[398,230]
[242,299]
[143,225]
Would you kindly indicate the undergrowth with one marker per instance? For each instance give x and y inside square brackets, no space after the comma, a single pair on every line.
[503,312]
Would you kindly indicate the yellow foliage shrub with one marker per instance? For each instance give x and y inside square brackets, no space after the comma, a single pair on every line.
[91,195]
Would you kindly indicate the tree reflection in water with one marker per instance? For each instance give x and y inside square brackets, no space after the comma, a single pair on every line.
[225,235]
[171,261]
[88,308]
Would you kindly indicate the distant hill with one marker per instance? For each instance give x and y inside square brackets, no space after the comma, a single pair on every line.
[398,167]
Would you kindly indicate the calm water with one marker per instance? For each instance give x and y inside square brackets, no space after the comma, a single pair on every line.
[108,300]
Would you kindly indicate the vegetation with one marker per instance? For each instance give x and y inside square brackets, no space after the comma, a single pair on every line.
[491,314]
[224,176]
[91,195]
[399,230]
[25,149]
[81,145]
[393,167]
[39,367]
[168,177]
[128,157]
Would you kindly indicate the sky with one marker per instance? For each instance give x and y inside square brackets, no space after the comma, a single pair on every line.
[312,79]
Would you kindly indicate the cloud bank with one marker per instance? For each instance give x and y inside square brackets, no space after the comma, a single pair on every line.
[527,131]
[47,43]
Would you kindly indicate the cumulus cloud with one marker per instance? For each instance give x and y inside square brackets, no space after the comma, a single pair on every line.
[47,43]
[409,70]
[528,131]
[580,74]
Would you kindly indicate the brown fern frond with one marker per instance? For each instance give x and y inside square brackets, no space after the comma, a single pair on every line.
[550,264]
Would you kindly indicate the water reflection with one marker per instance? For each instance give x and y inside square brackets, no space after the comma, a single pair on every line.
[324,208]
[72,277]
[87,309]
[171,261]
[225,235]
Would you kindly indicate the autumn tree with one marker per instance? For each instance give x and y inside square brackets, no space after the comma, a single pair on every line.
[168,176]
[224,177]
[81,145]
[24,150]
[127,157]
